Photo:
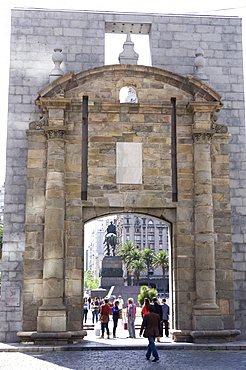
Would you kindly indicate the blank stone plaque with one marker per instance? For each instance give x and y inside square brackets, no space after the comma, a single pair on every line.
[129,163]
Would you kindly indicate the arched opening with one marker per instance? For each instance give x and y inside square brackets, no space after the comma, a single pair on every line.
[135,229]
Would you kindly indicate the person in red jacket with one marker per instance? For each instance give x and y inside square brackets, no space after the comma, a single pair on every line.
[151,328]
[105,311]
[145,308]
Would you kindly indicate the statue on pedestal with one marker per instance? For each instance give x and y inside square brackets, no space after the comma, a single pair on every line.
[110,239]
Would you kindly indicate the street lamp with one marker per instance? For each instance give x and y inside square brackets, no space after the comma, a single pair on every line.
[151,271]
[132,280]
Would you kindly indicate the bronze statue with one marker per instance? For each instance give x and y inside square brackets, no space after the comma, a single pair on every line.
[110,239]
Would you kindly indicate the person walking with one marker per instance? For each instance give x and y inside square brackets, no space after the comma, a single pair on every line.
[85,309]
[105,311]
[151,329]
[95,310]
[165,315]
[131,316]
[158,310]
[89,302]
[116,315]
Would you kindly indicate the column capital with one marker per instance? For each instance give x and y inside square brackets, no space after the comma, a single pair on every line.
[203,114]
[199,136]
[53,103]
[204,106]
[55,132]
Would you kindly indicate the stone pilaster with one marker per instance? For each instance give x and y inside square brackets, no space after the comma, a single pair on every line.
[52,312]
[204,223]
[205,305]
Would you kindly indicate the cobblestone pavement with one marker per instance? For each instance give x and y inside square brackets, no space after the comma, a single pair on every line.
[123,359]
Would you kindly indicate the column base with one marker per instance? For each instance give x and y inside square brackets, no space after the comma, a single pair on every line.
[181,336]
[53,338]
[212,336]
[51,319]
[206,306]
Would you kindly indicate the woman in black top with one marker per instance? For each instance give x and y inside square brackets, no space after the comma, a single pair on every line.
[116,313]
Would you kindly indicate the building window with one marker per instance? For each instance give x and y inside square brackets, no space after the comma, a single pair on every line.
[151,238]
[150,226]
[137,239]
[137,226]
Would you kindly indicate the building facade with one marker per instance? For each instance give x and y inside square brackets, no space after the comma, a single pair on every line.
[94,249]
[177,155]
[146,233]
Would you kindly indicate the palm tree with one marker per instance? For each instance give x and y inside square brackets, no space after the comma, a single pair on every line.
[148,257]
[128,252]
[137,266]
[161,259]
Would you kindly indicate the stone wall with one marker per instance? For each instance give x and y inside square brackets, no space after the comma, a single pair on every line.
[173,40]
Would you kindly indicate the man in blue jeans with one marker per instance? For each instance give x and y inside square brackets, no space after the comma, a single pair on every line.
[151,328]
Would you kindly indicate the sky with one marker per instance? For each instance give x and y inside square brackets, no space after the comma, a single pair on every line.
[219,7]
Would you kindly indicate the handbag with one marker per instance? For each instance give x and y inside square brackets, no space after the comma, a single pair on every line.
[97,329]
[104,318]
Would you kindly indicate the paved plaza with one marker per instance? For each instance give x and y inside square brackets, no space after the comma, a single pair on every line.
[124,359]
[122,353]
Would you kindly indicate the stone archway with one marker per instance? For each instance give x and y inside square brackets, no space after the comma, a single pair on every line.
[90,156]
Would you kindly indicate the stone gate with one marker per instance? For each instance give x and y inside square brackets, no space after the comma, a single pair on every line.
[165,155]
[91,156]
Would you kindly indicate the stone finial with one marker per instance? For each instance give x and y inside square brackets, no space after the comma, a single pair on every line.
[199,64]
[57,58]
[128,55]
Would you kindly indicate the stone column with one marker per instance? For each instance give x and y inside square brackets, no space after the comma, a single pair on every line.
[203,205]
[204,223]
[52,312]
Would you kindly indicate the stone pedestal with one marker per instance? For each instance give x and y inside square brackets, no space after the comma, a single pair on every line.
[111,272]
[53,338]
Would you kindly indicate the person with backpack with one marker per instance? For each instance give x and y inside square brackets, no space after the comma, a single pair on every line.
[158,310]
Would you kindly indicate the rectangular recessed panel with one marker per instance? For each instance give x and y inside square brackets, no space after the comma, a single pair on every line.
[129,163]
[114,27]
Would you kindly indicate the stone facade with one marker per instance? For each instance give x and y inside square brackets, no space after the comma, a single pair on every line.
[44,213]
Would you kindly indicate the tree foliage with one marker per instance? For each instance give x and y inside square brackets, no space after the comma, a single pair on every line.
[145,292]
[137,261]
[161,259]
[137,266]
[128,253]
[89,281]
[148,256]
